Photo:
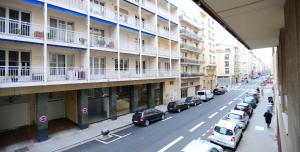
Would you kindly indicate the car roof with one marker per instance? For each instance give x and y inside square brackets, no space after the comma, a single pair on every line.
[226,124]
[198,145]
[237,112]
[243,104]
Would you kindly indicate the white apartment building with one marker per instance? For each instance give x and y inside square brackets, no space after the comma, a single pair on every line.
[85,60]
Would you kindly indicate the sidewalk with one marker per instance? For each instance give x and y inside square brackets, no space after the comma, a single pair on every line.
[69,138]
[257,136]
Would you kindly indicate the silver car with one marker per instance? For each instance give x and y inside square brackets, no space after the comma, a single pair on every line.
[239,117]
[202,146]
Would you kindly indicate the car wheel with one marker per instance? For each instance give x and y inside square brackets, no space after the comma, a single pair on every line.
[147,123]
[178,110]
[162,116]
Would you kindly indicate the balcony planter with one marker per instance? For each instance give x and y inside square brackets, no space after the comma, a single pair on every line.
[82,41]
[38,34]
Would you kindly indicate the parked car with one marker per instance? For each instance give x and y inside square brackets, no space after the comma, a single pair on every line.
[250,100]
[202,146]
[224,89]
[239,117]
[254,94]
[205,95]
[226,133]
[147,116]
[193,100]
[246,107]
[218,91]
[177,106]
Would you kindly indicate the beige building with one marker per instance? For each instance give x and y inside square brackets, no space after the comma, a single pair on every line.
[85,60]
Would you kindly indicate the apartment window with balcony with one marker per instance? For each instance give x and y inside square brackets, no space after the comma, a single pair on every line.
[226,63]
[61,30]
[97,65]
[124,64]
[226,70]
[98,7]
[184,41]
[137,66]
[226,56]
[167,66]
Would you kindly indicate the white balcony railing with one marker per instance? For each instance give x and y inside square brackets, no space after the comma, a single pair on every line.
[174,17]
[130,47]
[10,74]
[77,4]
[21,29]
[175,73]
[149,50]
[175,54]
[163,52]
[163,12]
[101,42]
[149,73]
[164,73]
[148,27]
[174,36]
[131,21]
[150,5]
[66,73]
[103,12]
[103,73]
[136,2]
[163,32]
[129,73]
[66,36]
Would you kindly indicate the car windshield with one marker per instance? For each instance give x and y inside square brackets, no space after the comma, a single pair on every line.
[234,116]
[200,93]
[223,131]
[138,114]
[248,99]
[240,107]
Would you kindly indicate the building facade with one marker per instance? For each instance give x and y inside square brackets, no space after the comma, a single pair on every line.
[85,61]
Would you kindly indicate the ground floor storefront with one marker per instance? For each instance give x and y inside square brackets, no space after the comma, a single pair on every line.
[40,116]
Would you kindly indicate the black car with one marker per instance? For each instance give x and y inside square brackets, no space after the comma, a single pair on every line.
[250,100]
[145,117]
[193,100]
[217,91]
[177,106]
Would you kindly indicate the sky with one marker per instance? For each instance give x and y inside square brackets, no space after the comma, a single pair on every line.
[265,54]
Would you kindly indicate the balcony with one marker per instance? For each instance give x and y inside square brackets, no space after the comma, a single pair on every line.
[103,73]
[190,34]
[148,5]
[175,73]
[71,4]
[148,27]
[129,47]
[149,73]
[175,54]
[164,73]
[18,30]
[14,74]
[149,50]
[164,52]
[190,48]
[174,36]
[129,21]
[100,42]
[190,61]
[66,73]
[103,12]
[135,2]
[174,18]
[191,74]
[163,32]
[163,13]
[129,73]
[192,22]
[66,36]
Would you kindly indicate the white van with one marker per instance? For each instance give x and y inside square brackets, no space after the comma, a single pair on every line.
[205,95]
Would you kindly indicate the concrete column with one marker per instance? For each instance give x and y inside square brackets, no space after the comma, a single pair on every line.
[112,103]
[150,96]
[42,118]
[134,97]
[82,109]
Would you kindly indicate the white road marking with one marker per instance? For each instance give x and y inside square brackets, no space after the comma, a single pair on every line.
[240,96]
[207,131]
[236,98]
[119,137]
[197,126]
[211,127]
[171,144]
[212,115]
[203,135]
[230,102]
[167,118]
[221,109]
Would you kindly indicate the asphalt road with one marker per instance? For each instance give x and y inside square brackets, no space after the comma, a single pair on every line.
[176,131]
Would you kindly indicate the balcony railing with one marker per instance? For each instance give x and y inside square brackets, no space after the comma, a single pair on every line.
[164,52]
[164,73]
[191,74]
[163,12]
[103,12]
[174,36]
[148,5]
[190,61]
[149,50]
[149,73]
[130,47]
[131,21]
[175,73]
[103,73]
[163,32]
[148,27]
[190,34]
[77,4]
[136,2]
[66,73]
[21,29]
[190,48]
[10,74]
[66,36]
[174,17]
[101,42]
[130,73]
[175,54]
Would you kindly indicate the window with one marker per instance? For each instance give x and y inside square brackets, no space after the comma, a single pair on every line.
[2,62]
[167,66]
[124,64]
[97,65]
[226,56]
[61,30]
[137,66]
[226,70]
[226,63]
[184,92]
